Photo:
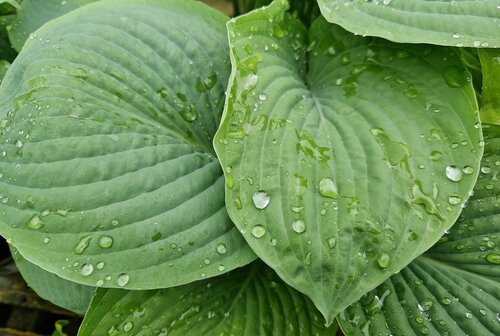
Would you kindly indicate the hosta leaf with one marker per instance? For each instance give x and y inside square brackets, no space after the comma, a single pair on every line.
[246,302]
[454,288]
[32,14]
[461,23]
[48,286]
[345,157]
[108,171]
[490,100]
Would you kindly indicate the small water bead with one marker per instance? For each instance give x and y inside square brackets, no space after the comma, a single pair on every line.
[262,97]
[483,312]
[87,269]
[221,248]
[82,244]
[332,241]
[456,35]
[221,268]
[299,226]
[468,170]
[469,315]
[328,188]
[454,200]
[46,240]
[207,261]
[261,199]
[100,265]
[446,301]
[384,260]
[122,279]
[237,203]
[128,326]
[105,241]
[485,170]
[454,173]
[258,231]
[419,319]
[426,305]
[19,143]
[99,283]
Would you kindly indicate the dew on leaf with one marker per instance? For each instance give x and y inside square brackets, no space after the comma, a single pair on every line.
[328,188]
[122,279]
[106,241]
[86,269]
[100,265]
[383,260]
[128,326]
[82,244]
[258,231]
[454,173]
[456,77]
[221,248]
[426,305]
[35,222]
[299,226]
[493,258]
[446,301]
[454,200]
[261,199]
[468,170]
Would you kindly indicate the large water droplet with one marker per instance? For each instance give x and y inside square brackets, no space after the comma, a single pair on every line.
[493,258]
[258,231]
[454,174]
[35,223]
[456,77]
[221,248]
[328,188]
[261,199]
[128,326]
[299,226]
[105,241]
[383,260]
[87,269]
[122,279]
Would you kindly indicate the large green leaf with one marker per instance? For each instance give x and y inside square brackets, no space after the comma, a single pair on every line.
[454,288]
[108,172]
[48,286]
[345,157]
[32,14]
[461,23]
[247,302]
[490,100]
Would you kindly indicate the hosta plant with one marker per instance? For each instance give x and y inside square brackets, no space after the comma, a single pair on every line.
[152,151]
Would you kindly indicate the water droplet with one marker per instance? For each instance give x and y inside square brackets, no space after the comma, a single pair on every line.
[469,315]
[261,199]
[128,326]
[454,174]
[221,268]
[19,143]
[332,241]
[46,240]
[122,279]
[105,241]
[35,223]
[258,231]
[99,283]
[426,305]
[308,258]
[237,203]
[419,319]
[485,170]
[468,170]
[82,244]
[87,269]
[446,301]
[100,265]
[328,188]
[384,260]
[262,97]
[493,258]
[221,248]
[483,312]
[454,200]
[456,35]
[299,226]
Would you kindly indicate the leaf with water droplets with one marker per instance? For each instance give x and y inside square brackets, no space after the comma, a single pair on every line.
[490,97]
[450,23]
[246,302]
[342,174]
[50,287]
[108,173]
[452,289]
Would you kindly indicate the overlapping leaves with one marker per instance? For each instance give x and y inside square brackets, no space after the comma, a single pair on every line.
[345,157]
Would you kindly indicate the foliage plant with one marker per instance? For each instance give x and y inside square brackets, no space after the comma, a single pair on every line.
[301,167]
